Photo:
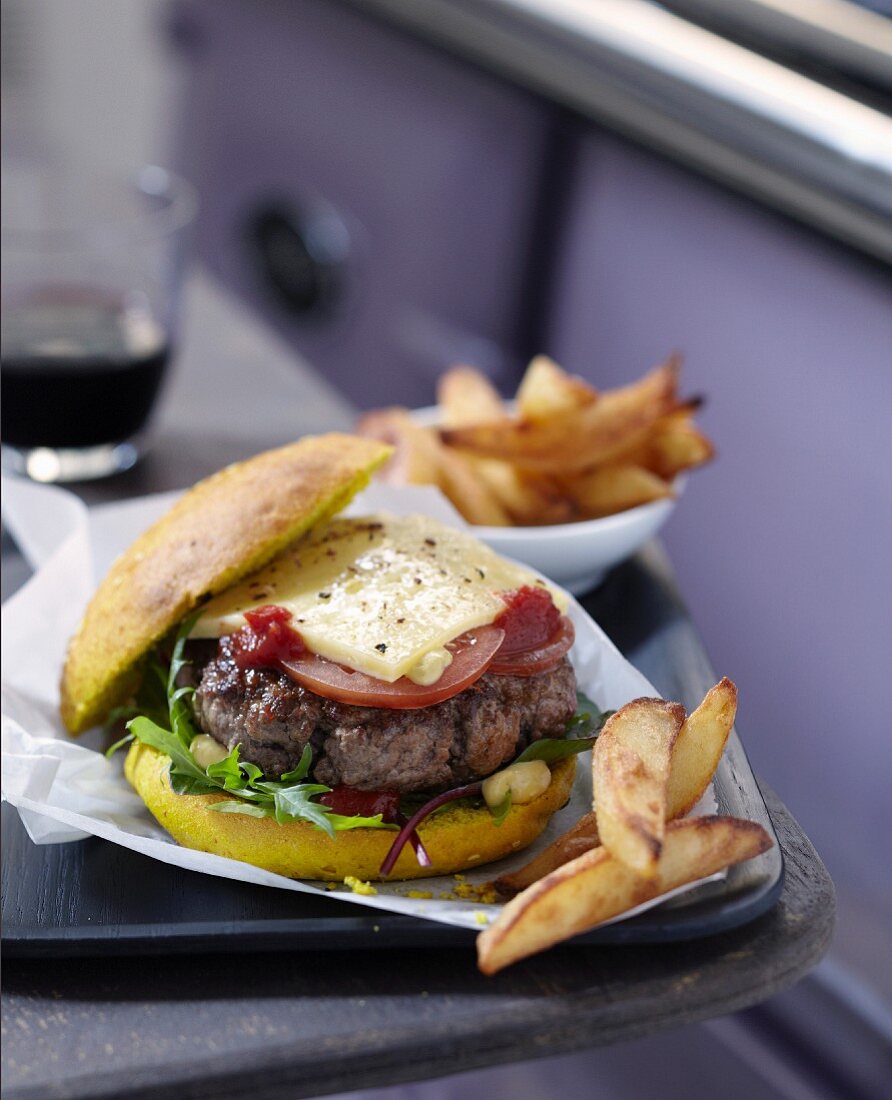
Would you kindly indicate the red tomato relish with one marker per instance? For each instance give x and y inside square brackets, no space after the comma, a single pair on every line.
[267,639]
[530,619]
[353,803]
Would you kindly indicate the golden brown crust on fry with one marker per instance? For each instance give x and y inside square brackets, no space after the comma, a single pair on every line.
[562,454]
[218,532]
[416,455]
[607,490]
[421,459]
[695,757]
[467,396]
[596,886]
[546,391]
[582,438]
[699,747]
[578,840]
[456,838]
[469,493]
[630,772]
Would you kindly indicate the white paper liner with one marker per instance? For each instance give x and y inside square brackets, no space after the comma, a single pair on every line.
[66,790]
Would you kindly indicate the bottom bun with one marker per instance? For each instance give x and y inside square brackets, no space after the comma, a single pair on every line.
[456,837]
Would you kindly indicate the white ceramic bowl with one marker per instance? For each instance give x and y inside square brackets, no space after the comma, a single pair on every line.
[576,555]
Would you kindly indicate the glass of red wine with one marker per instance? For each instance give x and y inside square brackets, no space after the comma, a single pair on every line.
[90,291]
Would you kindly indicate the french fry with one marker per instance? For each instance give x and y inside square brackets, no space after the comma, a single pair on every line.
[547,392]
[581,838]
[466,396]
[630,773]
[568,454]
[695,757]
[678,445]
[417,459]
[610,489]
[579,439]
[528,499]
[596,886]
[421,459]
[470,495]
[674,443]
[699,747]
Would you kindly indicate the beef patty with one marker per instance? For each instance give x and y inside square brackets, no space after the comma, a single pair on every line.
[369,748]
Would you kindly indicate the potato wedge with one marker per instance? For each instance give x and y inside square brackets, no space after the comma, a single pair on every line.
[630,773]
[673,444]
[678,444]
[528,499]
[547,392]
[695,757]
[699,747]
[575,842]
[466,396]
[596,886]
[421,459]
[468,492]
[610,489]
[416,458]
[581,438]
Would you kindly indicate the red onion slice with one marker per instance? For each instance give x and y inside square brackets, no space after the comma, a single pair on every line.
[405,833]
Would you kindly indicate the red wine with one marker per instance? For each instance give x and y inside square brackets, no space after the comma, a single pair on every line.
[78,374]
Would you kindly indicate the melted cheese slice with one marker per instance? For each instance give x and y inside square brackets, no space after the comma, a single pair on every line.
[380,594]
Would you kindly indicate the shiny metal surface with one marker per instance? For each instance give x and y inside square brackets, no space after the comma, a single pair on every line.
[781,137]
[837,32]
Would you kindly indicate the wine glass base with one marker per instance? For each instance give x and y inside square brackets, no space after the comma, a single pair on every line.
[52,465]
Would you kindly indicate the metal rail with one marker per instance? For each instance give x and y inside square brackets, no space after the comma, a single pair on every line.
[783,138]
[835,32]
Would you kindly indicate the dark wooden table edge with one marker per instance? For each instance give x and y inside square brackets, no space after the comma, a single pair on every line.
[394,933]
[461,1045]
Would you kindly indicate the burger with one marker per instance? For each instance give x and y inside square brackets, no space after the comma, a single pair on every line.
[327,696]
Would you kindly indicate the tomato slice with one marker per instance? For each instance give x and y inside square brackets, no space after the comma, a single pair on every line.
[472,654]
[542,658]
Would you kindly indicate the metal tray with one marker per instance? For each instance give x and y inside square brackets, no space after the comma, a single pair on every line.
[94,898]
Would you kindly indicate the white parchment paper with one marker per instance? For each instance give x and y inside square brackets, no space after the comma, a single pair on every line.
[66,790]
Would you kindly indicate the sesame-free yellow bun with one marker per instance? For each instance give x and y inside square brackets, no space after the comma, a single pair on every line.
[220,531]
[456,838]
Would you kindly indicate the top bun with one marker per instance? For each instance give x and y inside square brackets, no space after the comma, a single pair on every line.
[220,531]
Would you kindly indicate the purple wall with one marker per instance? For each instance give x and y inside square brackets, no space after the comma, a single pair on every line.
[783,547]
[432,166]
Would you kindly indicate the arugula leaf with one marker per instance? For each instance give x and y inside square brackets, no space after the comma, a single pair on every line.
[582,732]
[303,767]
[551,749]
[293,803]
[589,718]
[166,741]
[182,722]
[178,659]
[236,775]
[150,700]
[188,784]
[227,770]
[338,822]
[500,812]
[112,749]
[252,772]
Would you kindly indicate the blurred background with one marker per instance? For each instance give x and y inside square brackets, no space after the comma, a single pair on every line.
[396,186]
